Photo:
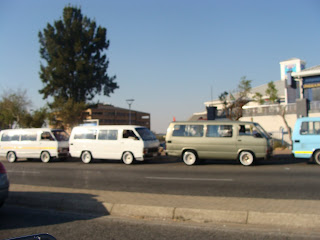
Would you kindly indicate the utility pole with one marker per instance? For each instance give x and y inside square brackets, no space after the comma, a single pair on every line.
[130,101]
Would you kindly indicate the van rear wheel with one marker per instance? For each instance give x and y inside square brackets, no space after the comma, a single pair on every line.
[86,157]
[45,157]
[189,157]
[11,157]
[246,158]
[316,157]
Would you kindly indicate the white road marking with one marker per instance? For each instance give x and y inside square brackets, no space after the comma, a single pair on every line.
[31,172]
[192,179]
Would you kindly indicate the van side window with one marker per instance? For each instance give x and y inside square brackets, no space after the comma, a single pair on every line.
[90,134]
[219,131]
[188,131]
[247,130]
[129,134]
[29,137]
[310,128]
[6,137]
[46,136]
[108,135]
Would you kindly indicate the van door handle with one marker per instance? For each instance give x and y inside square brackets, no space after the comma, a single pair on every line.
[239,140]
[297,141]
[169,141]
[71,143]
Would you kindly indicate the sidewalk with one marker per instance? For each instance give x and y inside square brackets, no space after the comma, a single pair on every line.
[274,212]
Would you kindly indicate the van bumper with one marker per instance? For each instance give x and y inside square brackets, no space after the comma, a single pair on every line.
[63,153]
[148,153]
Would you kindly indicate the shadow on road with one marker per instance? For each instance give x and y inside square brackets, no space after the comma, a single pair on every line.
[79,207]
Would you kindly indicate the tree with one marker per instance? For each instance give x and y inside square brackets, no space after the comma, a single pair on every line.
[69,113]
[272,92]
[76,64]
[35,119]
[258,97]
[13,108]
[233,104]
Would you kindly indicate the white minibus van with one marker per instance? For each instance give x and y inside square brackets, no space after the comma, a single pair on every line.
[119,142]
[43,143]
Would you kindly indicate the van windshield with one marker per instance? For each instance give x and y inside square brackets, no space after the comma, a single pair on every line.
[146,134]
[262,131]
[61,135]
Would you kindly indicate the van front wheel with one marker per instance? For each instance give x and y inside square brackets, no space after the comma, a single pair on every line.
[189,157]
[127,158]
[246,158]
[86,157]
[316,157]
[45,157]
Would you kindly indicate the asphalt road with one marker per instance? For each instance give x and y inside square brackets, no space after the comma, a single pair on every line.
[276,179]
[18,221]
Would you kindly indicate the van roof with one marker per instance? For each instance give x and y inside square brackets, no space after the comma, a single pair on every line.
[111,126]
[30,129]
[212,122]
[308,119]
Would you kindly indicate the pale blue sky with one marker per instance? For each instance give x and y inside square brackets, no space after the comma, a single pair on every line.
[167,54]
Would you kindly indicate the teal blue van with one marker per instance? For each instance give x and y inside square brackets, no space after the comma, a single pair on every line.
[306,138]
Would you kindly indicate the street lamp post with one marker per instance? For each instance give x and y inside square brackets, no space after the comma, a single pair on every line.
[130,101]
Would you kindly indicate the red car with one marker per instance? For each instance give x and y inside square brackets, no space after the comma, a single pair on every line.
[4,184]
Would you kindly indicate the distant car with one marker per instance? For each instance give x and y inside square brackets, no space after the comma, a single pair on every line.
[4,184]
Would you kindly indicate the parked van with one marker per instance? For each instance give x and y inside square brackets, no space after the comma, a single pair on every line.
[43,143]
[192,141]
[306,138]
[120,142]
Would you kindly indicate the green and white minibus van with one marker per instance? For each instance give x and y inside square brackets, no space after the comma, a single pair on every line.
[245,141]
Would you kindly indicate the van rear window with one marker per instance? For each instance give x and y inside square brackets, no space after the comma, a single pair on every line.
[7,137]
[86,134]
[188,131]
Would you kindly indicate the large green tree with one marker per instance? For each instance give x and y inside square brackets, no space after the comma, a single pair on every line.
[75,62]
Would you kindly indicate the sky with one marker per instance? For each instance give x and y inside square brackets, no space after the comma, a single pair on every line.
[170,56]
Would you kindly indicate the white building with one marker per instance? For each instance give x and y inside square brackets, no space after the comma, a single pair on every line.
[295,85]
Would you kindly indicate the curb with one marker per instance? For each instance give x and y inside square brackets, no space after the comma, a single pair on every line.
[173,213]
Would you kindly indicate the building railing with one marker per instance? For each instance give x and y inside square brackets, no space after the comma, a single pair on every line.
[275,109]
